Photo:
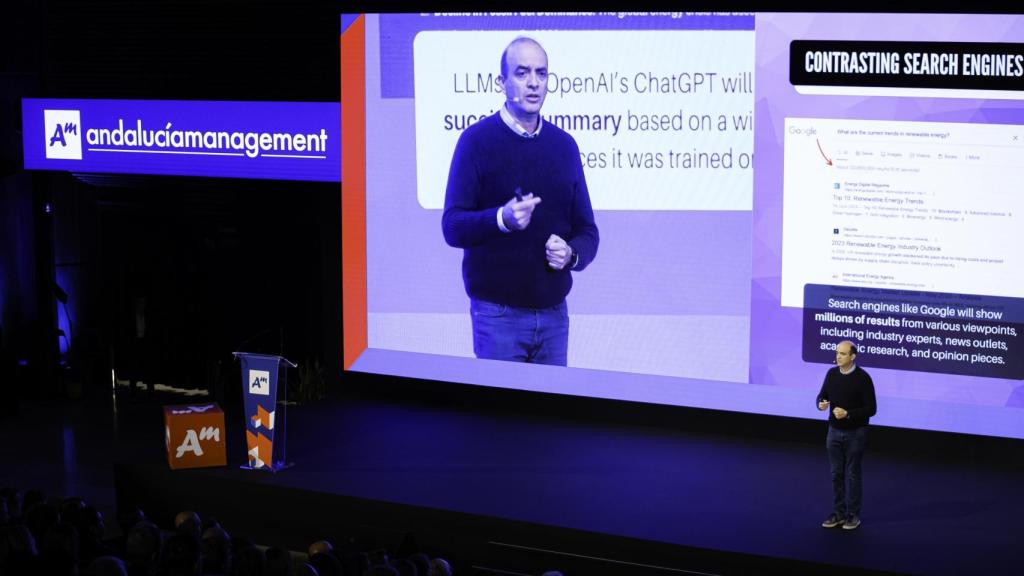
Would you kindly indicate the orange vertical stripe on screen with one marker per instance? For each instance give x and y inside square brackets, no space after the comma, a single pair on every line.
[353,191]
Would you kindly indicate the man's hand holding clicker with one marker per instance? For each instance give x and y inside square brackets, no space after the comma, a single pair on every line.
[558,252]
[516,213]
[839,413]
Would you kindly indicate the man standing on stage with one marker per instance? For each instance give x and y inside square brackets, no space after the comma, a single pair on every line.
[517,204]
[848,389]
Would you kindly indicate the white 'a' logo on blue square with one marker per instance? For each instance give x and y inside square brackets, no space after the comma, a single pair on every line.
[259,382]
[63,134]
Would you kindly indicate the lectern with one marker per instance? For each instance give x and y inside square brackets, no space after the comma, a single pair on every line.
[265,393]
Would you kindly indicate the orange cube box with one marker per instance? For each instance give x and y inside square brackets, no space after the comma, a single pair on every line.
[195,435]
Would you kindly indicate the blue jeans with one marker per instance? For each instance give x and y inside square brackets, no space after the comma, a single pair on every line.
[845,451]
[535,335]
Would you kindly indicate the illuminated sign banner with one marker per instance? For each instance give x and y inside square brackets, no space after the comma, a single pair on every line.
[272,140]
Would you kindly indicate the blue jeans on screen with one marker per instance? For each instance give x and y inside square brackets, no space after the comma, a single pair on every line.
[845,451]
[534,335]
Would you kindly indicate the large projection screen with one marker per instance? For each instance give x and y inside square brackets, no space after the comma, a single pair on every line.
[765,186]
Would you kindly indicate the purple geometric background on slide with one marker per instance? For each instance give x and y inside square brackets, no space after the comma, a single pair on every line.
[775,332]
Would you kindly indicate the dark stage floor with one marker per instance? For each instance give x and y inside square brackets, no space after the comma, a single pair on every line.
[623,494]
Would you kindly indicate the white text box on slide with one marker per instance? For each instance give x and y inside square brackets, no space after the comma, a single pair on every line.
[663,119]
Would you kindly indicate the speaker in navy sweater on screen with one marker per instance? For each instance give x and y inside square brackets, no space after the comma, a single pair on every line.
[490,163]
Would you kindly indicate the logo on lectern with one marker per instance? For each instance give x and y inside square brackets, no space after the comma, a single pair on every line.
[259,382]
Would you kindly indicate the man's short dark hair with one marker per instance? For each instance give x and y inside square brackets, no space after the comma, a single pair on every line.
[853,348]
[504,53]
